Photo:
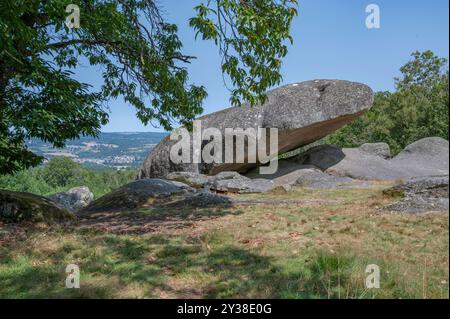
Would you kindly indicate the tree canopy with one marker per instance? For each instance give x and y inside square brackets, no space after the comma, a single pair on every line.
[140,57]
[417,109]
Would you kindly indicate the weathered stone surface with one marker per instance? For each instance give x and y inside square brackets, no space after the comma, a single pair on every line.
[227,176]
[292,173]
[349,162]
[314,178]
[420,195]
[74,199]
[290,178]
[195,180]
[23,207]
[303,113]
[418,204]
[137,194]
[381,149]
[430,186]
[243,186]
[426,157]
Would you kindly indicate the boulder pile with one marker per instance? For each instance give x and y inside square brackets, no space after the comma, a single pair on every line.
[426,157]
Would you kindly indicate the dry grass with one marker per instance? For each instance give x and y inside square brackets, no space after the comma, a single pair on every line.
[303,244]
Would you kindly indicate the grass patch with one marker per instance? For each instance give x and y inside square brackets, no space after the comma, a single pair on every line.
[319,249]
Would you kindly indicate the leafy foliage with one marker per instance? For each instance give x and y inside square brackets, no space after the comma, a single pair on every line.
[251,35]
[140,58]
[418,109]
[425,69]
[61,174]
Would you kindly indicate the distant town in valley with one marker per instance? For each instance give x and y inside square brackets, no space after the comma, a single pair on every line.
[108,151]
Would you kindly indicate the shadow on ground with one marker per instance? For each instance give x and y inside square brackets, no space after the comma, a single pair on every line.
[155,217]
[166,267]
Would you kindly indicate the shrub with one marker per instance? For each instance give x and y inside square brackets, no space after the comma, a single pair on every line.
[61,174]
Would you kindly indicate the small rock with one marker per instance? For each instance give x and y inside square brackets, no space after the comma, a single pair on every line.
[192,179]
[74,199]
[243,186]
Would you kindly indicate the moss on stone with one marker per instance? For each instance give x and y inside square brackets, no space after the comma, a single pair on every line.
[18,207]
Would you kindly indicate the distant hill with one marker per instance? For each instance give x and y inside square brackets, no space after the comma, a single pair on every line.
[110,150]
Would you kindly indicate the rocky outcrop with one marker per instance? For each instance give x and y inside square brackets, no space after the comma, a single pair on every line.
[426,157]
[420,195]
[349,162]
[74,199]
[282,182]
[222,176]
[243,186]
[227,182]
[23,207]
[224,182]
[302,112]
[314,178]
[192,179]
[137,194]
[153,193]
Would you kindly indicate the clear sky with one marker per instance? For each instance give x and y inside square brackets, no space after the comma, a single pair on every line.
[331,41]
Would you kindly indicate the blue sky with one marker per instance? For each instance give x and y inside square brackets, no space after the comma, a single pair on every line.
[330,41]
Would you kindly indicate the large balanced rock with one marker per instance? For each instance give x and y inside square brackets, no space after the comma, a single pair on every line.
[421,195]
[426,157]
[23,207]
[302,112]
[74,199]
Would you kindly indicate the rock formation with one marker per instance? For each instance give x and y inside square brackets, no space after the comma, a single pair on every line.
[426,157]
[152,192]
[136,194]
[302,112]
[423,165]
